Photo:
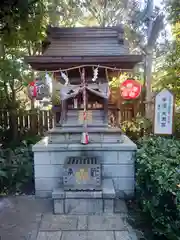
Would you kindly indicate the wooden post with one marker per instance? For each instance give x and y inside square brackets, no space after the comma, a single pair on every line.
[105,111]
[45,121]
[40,127]
[50,119]
[120,107]
[63,112]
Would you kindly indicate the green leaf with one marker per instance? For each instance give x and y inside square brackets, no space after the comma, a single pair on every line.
[3,174]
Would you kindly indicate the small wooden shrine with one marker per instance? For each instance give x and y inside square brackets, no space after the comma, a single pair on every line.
[74,49]
[82,59]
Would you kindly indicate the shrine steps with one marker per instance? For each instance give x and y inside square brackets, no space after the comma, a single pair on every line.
[87,202]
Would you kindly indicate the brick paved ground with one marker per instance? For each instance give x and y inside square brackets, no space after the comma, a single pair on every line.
[27,218]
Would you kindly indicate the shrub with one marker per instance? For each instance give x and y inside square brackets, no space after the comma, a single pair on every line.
[177,125]
[16,168]
[158,179]
[24,135]
[137,128]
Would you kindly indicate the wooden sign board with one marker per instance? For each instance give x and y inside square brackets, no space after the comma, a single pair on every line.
[164,113]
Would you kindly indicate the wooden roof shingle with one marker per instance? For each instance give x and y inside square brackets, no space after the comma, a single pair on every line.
[69,46]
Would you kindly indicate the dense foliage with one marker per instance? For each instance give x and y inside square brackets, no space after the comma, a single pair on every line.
[16,163]
[16,168]
[158,185]
[141,126]
[14,12]
[167,73]
[177,125]
[137,128]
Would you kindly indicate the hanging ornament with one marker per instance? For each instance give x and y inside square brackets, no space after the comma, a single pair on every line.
[75,103]
[130,89]
[85,138]
[48,80]
[25,84]
[32,90]
[95,72]
[65,77]
[42,90]
[38,90]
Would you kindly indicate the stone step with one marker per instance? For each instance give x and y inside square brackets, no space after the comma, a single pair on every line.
[94,137]
[72,126]
[94,112]
[85,202]
[73,120]
[79,129]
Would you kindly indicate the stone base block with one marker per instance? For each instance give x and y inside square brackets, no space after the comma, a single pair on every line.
[85,202]
[83,206]
[108,205]
[58,206]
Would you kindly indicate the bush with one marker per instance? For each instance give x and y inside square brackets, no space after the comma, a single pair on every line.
[177,125]
[24,135]
[158,190]
[16,168]
[137,128]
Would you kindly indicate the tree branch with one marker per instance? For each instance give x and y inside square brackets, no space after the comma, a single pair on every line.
[104,13]
[6,91]
[20,88]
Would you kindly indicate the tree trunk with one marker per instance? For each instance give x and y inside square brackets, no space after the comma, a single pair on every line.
[13,123]
[149,60]
[13,117]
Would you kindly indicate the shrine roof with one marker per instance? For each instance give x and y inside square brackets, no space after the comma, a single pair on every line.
[90,45]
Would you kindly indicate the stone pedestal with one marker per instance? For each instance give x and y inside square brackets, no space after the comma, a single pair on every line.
[117,159]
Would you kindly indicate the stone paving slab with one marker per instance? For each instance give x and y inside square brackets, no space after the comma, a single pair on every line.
[49,235]
[20,216]
[83,206]
[82,223]
[28,218]
[122,235]
[125,235]
[109,222]
[88,235]
[58,222]
[120,206]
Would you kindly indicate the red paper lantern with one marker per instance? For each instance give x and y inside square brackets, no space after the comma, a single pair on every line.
[130,89]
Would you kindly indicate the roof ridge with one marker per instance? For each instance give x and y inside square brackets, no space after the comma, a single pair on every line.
[118,28]
[85,32]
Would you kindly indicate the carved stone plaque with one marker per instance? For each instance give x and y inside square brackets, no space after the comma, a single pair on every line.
[82,173]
